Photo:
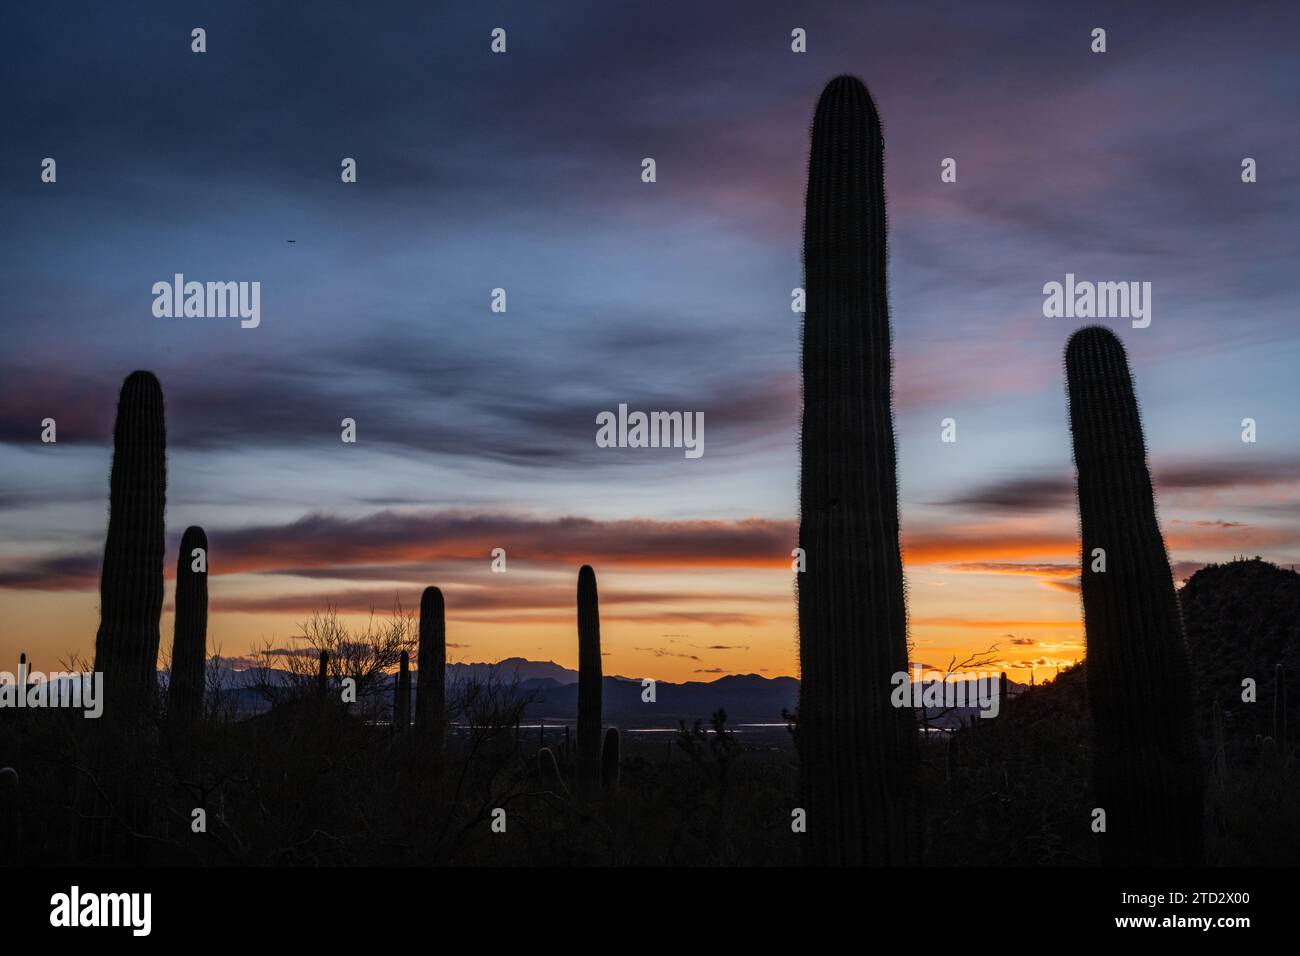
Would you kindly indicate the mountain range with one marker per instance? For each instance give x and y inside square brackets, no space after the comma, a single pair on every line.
[553,689]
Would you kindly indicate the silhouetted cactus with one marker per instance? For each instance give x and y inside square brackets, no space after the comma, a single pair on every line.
[609,761]
[11,817]
[131,585]
[858,753]
[402,695]
[589,680]
[1147,771]
[431,678]
[323,673]
[549,772]
[1003,694]
[189,641]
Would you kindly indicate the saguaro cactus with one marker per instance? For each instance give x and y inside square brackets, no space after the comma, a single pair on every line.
[609,760]
[858,753]
[1004,694]
[1147,772]
[131,586]
[189,641]
[589,680]
[323,673]
[431,678]
[402,695]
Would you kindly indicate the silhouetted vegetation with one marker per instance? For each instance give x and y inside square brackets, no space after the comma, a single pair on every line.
[335,772]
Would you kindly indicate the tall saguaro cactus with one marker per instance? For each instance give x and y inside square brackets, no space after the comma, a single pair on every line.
[858,753]
[589,680]
[131,586]
[1147,772]
[431,678]
[189,643]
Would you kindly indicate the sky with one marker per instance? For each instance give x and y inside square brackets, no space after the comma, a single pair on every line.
[522,171]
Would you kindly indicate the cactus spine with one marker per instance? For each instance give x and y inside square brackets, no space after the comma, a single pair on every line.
[609,761]
[131,585]
[1147,772]
[402,695]
[431,678]
[858,754]
[189,641]
[589,679]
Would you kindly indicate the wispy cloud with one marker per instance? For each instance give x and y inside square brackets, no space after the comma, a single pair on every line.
[673,297]
[1010,567]
[1039,492]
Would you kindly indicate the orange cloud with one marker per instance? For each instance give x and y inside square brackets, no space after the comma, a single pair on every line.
[1010,567]
[994,624]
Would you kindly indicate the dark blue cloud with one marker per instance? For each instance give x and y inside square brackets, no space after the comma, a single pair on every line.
[521,171]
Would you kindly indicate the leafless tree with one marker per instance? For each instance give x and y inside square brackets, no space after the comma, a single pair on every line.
[364,654]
